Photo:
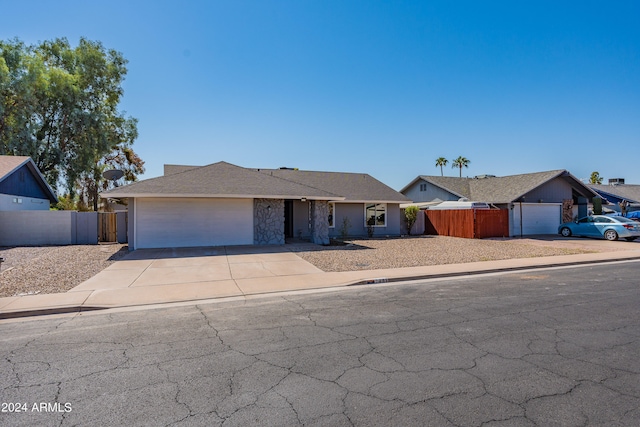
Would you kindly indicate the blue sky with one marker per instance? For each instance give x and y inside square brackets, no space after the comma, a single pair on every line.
[382,87]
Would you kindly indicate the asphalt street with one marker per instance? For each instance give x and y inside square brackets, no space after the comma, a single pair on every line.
[542,347]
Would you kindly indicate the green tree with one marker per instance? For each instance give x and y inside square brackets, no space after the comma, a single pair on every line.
[410,215]
[595,178]
[59,105]
[441,161]
[460,162]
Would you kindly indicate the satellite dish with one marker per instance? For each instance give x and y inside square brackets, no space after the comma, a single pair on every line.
[113,175]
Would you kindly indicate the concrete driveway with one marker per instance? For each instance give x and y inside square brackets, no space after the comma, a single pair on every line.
[158,276]
[210,272]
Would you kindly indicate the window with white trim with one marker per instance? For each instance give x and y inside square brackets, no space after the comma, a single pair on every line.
[332,215]
[375,214]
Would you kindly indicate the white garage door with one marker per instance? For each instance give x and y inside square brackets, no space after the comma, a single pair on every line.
[177,222]
[537,218]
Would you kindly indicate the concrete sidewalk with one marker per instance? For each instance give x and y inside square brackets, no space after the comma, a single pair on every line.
[158,276]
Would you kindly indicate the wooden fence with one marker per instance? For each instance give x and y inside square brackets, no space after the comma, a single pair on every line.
[468,223]
[107,227]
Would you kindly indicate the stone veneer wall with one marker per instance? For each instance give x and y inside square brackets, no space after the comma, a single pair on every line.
[320,222]
[268,221]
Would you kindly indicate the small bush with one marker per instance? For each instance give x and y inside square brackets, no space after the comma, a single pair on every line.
[410,216]
[344,228]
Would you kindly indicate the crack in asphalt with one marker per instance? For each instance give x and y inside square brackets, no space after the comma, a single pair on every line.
[321,359]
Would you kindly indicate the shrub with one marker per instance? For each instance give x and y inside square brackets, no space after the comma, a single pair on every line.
[410,216]
[344,228]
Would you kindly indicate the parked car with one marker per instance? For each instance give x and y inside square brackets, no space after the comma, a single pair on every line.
[609,227]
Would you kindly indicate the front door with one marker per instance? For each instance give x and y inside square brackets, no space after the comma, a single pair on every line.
[288,218]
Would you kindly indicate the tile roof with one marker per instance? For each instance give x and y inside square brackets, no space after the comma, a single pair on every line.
[504,189]
[220,180]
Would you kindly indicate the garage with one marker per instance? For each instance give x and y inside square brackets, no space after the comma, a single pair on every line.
[535,218]
[185,222]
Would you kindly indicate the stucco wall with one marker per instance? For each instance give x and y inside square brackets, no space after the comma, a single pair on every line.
[355,213]
[131,224]
[7,203]
[554,191]
[268,221]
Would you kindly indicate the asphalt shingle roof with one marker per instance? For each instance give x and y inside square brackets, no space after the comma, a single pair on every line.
[224,179]
[504,189]
[629,192]
[10,163]
[354,187]
[220,180]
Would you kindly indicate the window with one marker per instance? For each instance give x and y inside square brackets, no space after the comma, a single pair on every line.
[332,210]
[423,187]
[603,220]
[375,214]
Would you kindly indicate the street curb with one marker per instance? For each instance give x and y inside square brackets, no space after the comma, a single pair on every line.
[47,311]
[488,271]
[79,309]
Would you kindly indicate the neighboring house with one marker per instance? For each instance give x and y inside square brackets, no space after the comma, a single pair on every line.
[22,186]
[537,202]
[225,204]
[616,193]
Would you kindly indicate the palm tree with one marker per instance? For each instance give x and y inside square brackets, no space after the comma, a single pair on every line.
[460,162]
[441,161]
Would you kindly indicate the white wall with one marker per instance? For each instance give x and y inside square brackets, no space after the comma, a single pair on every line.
[8,202]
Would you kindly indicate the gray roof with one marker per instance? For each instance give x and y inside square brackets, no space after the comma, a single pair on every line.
[355,187]
[226,180]
[504,189]
[171,169]
[220,180]
[10,164]
[628,192]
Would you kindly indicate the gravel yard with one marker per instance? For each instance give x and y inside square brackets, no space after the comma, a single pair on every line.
[423,250]
[53,269]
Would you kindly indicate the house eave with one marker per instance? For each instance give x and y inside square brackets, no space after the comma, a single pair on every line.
[374,201]
[116,195]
